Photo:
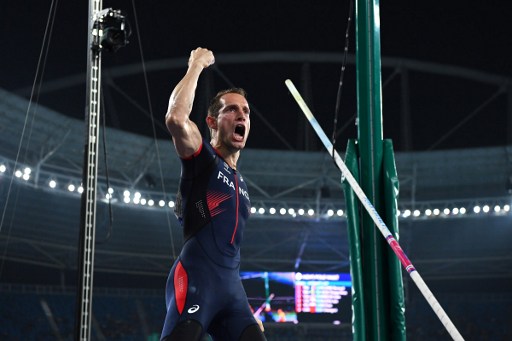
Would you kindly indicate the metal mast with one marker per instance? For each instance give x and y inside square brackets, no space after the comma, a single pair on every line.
[89,179]
[106,32]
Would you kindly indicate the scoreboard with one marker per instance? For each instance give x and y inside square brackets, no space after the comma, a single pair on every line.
[299,297]
[320,293]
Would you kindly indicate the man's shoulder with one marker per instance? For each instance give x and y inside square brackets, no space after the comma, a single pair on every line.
[204,158]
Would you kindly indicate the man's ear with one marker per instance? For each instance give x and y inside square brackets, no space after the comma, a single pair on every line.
[211,122]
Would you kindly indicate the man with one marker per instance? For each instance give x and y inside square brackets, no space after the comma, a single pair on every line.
[204,292]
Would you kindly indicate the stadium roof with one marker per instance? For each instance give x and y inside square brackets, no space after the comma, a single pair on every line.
[40,223]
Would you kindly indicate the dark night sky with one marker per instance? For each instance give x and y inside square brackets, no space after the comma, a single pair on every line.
[474,35]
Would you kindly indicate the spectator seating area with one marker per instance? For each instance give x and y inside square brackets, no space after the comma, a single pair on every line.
[136,314]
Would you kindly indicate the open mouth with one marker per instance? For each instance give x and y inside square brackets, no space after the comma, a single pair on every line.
[239,132]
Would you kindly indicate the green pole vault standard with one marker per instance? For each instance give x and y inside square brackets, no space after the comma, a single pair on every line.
[381,299]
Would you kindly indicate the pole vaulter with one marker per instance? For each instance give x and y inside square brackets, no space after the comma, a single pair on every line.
[395,246]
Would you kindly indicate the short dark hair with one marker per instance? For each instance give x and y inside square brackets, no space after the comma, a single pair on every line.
[215,105]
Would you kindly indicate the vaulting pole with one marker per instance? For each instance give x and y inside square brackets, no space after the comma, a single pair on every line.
[89,180]
[379,223]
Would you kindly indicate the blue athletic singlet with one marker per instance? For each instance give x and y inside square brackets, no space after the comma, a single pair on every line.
[204,283]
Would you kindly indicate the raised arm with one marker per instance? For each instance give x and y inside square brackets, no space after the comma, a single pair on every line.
[185,134]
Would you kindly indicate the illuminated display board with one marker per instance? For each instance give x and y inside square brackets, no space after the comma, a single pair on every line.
[299,297]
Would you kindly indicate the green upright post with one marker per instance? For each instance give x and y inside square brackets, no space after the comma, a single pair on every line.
[370,159]
[354,235]
[373,266]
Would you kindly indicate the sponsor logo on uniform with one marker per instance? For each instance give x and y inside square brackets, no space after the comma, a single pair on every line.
[226,168]
[193,309]
[200,207]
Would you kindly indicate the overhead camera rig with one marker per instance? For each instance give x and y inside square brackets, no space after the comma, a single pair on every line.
[111,30]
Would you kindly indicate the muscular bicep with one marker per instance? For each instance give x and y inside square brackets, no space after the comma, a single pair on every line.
[185,136]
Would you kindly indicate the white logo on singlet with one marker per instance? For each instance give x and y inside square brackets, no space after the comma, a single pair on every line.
[193,309]
[226,180]
[231,184]
[226,168]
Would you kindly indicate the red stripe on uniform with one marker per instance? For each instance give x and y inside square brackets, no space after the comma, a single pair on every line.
[180,286]
[237,204]
[195,154]
[214,199]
